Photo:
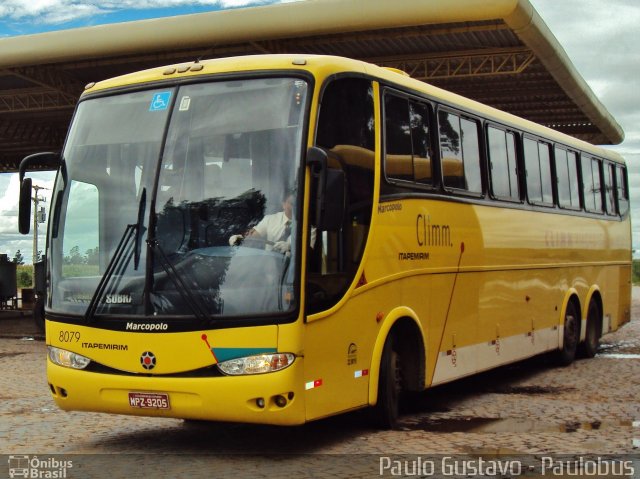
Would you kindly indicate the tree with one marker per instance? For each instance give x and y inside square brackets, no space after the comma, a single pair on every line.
[24,277]
[92,256]
[74,256]
[18,258]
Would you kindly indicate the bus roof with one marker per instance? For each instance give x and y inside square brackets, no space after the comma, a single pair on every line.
[324,66]
[500,53]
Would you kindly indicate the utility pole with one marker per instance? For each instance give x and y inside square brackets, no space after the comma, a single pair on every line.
[39,216]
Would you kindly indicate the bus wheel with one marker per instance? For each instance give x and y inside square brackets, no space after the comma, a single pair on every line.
[589,348]
[389,386]
[571,335]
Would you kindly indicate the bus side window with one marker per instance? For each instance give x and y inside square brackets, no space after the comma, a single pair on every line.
[421,147]
[459,152]
[562,178]
[574,182]
[596,166]
[471,155]
[451,159]
[502,161]
[622,191]
[609,189]
[537,158]
[407,142]
[591,184]
[398,164]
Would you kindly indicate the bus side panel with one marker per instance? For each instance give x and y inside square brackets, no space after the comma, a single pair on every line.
[624,307]
[487,284]
[454,306]
[499,276]
[338,356]
[618,288]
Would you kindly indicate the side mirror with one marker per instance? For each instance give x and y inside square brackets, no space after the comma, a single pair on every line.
[24,212]
[46,160]
[43,161]
[328,195]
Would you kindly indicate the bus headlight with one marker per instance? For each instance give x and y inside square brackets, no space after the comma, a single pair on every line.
[65,358]
[261,363]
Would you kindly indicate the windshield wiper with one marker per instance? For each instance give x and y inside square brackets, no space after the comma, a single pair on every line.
[119,261]
[139,229]
[121,257]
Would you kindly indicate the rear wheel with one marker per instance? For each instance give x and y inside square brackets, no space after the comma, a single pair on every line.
[389,386]
[589,348]
[571,335]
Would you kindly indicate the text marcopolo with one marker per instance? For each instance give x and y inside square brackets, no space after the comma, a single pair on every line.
[147,327]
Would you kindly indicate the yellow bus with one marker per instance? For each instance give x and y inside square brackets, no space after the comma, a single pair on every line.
[278,239]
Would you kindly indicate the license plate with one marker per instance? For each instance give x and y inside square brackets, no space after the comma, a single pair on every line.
[149,400]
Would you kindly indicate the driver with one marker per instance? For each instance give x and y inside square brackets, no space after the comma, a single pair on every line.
[274,228]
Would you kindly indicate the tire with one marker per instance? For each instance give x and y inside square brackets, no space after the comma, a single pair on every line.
[387,409]
[571,336]
[589,348]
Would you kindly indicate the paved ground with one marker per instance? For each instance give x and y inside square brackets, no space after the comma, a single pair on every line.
[588,408]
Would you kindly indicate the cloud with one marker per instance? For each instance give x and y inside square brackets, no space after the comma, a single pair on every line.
[62,11]
[601,41]
[9,204]
[10,240]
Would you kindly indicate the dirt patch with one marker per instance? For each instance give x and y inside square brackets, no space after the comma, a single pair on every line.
[9,355]
[531,390]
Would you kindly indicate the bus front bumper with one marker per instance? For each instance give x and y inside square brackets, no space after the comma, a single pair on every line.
[271,398]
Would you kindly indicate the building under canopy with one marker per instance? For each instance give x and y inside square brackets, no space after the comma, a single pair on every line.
[500,53]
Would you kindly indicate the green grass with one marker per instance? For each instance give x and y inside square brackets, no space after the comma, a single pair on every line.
[24,273]
[79,270]
[636,271]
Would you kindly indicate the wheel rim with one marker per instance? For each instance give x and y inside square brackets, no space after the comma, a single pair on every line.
[570,331]
[592,339]
[397,373]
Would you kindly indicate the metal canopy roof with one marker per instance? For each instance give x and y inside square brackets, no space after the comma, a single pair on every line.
[500,53]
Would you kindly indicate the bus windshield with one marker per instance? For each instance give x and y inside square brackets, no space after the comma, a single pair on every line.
[181,202]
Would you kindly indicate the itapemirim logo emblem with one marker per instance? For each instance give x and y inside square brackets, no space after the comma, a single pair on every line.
[35,467]
[148,360]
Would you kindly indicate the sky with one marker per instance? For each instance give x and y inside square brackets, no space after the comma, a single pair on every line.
[599,37]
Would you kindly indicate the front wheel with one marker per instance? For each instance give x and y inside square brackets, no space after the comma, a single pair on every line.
[571,335]
[389,386]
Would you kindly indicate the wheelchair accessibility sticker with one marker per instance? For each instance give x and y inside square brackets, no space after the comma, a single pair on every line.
[160,101]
